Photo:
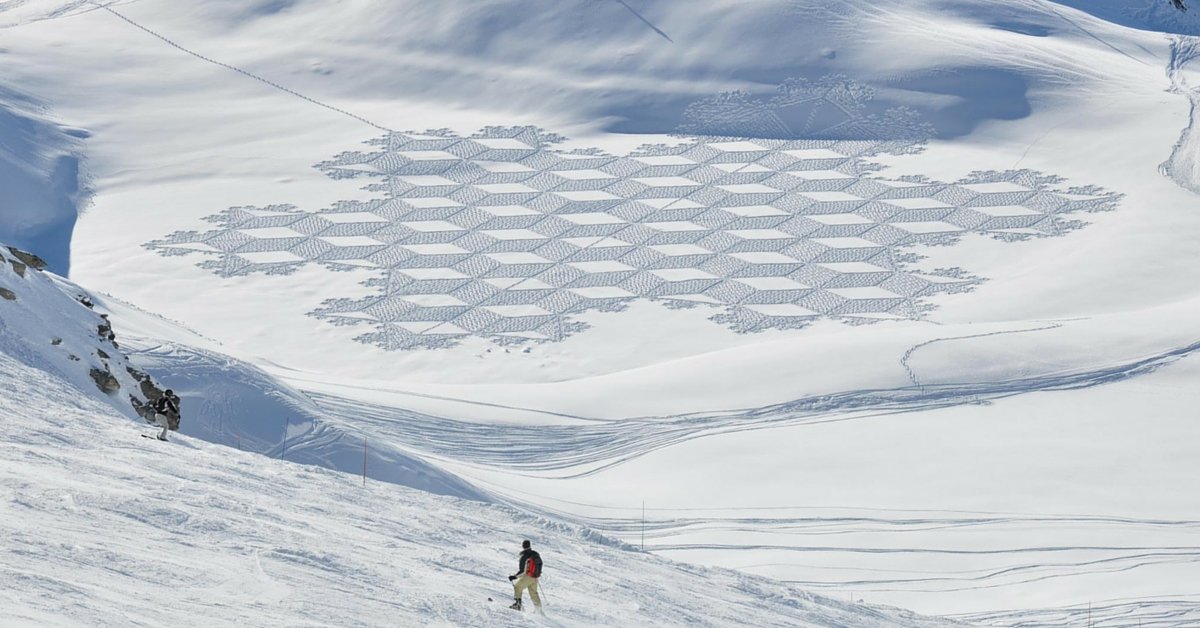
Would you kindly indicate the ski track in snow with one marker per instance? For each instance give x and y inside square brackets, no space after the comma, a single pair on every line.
[1168,610]
[99,529]
[581,450]
[265,81]
[1183,166]
[577,451]
[1017,548]
[906,359]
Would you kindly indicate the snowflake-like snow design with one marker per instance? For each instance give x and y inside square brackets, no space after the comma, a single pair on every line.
[499,235]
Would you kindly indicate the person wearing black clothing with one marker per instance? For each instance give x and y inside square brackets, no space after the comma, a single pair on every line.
[166,412]
[529,569]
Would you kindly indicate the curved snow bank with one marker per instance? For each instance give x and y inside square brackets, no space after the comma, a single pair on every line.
[230,402]
[100,530]
[49,324]
[41,189]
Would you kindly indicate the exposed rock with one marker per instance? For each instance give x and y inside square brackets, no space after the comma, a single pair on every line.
[143,409]
[28,258]
[105,330]
[105,359]
[105,381]
[150,391]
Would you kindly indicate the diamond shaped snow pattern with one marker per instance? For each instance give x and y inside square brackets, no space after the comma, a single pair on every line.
[498,235]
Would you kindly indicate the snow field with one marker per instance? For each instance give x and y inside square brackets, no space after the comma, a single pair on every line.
[103,527]
[1055,496]
[863,461]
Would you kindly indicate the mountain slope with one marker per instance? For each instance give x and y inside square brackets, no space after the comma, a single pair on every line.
[102,527]
[51,324]
[888,298]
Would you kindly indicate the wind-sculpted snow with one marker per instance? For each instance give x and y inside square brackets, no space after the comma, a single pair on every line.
[43,182]
[499,235]
[232,403]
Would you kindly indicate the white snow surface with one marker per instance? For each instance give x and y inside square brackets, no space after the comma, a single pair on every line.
[101,529]
[898,380]
[46,326]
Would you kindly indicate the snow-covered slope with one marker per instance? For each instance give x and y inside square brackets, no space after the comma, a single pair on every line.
[909,259]
[49,324]
[1029,84]
[102,529]
[53,325]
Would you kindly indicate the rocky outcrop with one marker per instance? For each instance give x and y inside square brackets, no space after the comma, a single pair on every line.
[47,322]
[105,381]
[151,392]
[27,259]
[105,330]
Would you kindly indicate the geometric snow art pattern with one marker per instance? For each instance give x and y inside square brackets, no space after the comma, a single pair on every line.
[500,236]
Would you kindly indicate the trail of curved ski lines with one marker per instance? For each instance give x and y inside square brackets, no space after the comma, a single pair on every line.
[577,451]
[1183,166]
[1172,610]
[881,543]
[912,375]
[876,566]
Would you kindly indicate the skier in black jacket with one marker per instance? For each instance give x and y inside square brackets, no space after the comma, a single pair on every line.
[529,569]
[166,412]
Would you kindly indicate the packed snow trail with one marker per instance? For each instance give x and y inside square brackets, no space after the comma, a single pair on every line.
[982,556]
[580,450]
[1182,609]
[1183,167]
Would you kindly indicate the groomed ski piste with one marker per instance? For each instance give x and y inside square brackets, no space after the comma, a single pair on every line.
[817,302]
